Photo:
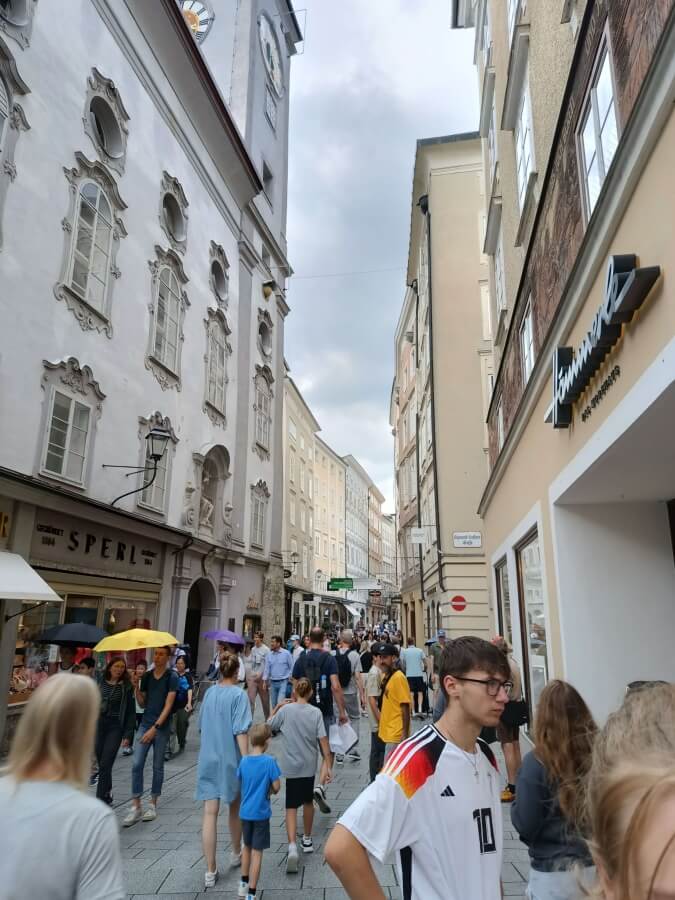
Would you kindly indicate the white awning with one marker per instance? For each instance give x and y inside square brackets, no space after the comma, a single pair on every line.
[18,581]
[353,610]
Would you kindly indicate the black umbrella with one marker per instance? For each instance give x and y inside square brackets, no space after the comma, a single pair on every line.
[73,634]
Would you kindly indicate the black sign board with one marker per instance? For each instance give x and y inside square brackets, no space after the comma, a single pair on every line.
[626,289]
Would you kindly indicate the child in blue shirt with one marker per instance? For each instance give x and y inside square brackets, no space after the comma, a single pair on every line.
[259,775]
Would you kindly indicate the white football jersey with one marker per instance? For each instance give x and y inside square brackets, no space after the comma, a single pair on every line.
[438,809]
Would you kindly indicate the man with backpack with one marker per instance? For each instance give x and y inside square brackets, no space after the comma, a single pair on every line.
[350,675]
[320,668]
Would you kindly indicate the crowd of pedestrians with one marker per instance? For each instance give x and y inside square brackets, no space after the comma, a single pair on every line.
[595,808]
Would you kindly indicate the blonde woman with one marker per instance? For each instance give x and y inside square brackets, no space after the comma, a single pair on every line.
[62,843]
[631,791]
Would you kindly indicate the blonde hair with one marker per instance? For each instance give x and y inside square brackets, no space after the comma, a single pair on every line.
[229,664]
[57,728]
[259,735]
[632,773]
[304,688]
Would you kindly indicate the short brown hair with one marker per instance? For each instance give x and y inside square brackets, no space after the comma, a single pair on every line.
[317,635]
[278,638]
[259,634]
[466,653]
[229,665]
[259,735]
[304,688]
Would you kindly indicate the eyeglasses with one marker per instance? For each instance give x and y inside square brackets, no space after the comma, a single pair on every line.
[492,685]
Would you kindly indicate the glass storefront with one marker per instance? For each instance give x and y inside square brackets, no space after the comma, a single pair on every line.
[532,616]
[31,661]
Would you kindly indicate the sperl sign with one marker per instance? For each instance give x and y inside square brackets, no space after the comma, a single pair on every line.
[626,288]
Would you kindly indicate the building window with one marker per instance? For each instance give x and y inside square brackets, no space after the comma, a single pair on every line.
[500,288]
[492,145]
[527,343]
[268,182]
[533,618]
[291,512]
[154,493]
[12,123]
[305,561]
[93,230]
[167,312]
[317,545]
[500,425]
[259,499]
[219,278]
[263,405]
[513,15]
[325,547]
[218,349]
[105,120]
[292,430]
[503,602]
[524,142]
[598,133]
[310,486]
[302,475]
[265,326]
[16,19]
[271,109]
[291,467]
[303,517]
[173,215]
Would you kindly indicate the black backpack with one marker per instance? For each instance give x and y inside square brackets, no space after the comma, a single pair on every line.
[322,692]
[344,667]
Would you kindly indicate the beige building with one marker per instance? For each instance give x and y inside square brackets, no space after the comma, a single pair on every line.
[578,508]
[300,428]
[441,440]
[389,576]
[329,530]
[375,612]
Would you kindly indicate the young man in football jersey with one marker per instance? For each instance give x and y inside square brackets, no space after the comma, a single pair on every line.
[436,804]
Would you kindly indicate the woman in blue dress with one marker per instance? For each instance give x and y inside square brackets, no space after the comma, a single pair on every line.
[224,720]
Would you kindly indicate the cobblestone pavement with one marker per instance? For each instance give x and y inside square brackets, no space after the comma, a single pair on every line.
[165,856]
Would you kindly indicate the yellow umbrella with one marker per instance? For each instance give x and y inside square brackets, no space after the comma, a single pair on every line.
[135,639]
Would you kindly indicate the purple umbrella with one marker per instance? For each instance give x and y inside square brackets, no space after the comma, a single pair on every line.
[228,637]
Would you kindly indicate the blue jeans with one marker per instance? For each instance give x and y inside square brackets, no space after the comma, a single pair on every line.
[277,691]
[158,745]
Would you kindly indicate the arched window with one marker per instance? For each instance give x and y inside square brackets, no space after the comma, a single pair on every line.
[263,381]
[92,242]
[167,318]
[217,351]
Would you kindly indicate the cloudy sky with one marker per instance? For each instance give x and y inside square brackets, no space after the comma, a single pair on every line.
[375,76]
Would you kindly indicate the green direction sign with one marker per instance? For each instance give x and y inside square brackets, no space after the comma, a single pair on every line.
[341,584]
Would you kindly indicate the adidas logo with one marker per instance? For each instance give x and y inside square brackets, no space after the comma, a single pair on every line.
[448,792]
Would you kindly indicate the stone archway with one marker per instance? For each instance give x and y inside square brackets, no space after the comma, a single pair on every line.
[200,616]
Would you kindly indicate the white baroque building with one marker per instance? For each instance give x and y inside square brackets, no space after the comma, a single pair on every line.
[143,182]
[356,532]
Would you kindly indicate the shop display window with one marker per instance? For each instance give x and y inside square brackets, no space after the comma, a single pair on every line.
[120,615]
[504,602]
[31,661]
[533,617]
[251,625]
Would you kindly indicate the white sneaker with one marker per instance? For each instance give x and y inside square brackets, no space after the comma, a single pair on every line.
[307,844]
[210,879]
[235,860]
[292,861]
[150,814]
[133,816]
[242,890]
[320,798]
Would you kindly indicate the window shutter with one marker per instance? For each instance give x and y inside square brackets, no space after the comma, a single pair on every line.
[4,102]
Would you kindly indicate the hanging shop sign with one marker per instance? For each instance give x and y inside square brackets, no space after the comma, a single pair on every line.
[65,542]
[417,535]
[626,289]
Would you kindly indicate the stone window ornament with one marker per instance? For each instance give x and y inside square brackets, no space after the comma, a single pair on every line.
[260,496]
[219,277]
[16,19]
[12,121]
[105,120]
[167,313]
[73,405]
[173,216]
[265,326]
[218,351]
[92,228]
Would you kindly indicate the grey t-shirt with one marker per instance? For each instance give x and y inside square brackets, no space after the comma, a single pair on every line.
[62,844]
[302,726]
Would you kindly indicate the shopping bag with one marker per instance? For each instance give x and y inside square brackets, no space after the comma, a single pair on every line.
[342,738]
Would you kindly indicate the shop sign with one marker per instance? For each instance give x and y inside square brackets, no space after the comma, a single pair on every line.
[626,288]
[76,544]
[417,535]
[467,539]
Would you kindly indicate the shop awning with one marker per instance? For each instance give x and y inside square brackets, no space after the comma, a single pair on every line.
[18,581]
[353,610]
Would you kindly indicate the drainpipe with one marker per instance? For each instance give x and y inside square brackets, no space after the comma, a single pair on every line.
[423,204]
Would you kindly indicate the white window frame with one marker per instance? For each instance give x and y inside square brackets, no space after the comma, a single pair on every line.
[217,333]
[93,275]
[500,285]
[259,499]
[73,403]
[590,110]
[317,544]
[167,371]
[262,384]
[292,429]
[305,561]
[527,342]
[303,517]
[291,467]
[492,145]
[500,425]
[291,511]
[524,141]
[302,475]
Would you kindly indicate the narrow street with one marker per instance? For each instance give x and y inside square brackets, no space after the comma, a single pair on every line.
[165,857]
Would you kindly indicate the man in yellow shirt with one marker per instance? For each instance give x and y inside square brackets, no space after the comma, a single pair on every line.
[396,700]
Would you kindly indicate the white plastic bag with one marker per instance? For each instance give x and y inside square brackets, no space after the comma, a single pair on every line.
[342,738]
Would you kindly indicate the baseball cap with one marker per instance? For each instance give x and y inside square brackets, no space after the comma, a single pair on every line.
[384,650]
[295,637]
[441,632]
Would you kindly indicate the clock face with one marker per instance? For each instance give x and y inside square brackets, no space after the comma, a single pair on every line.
[199,16]
[271,53]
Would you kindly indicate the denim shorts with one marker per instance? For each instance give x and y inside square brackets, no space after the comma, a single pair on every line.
[256,834]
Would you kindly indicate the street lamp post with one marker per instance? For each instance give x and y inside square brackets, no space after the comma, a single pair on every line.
[157,440]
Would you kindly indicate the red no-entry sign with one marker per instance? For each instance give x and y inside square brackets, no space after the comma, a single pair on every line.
[458,603]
